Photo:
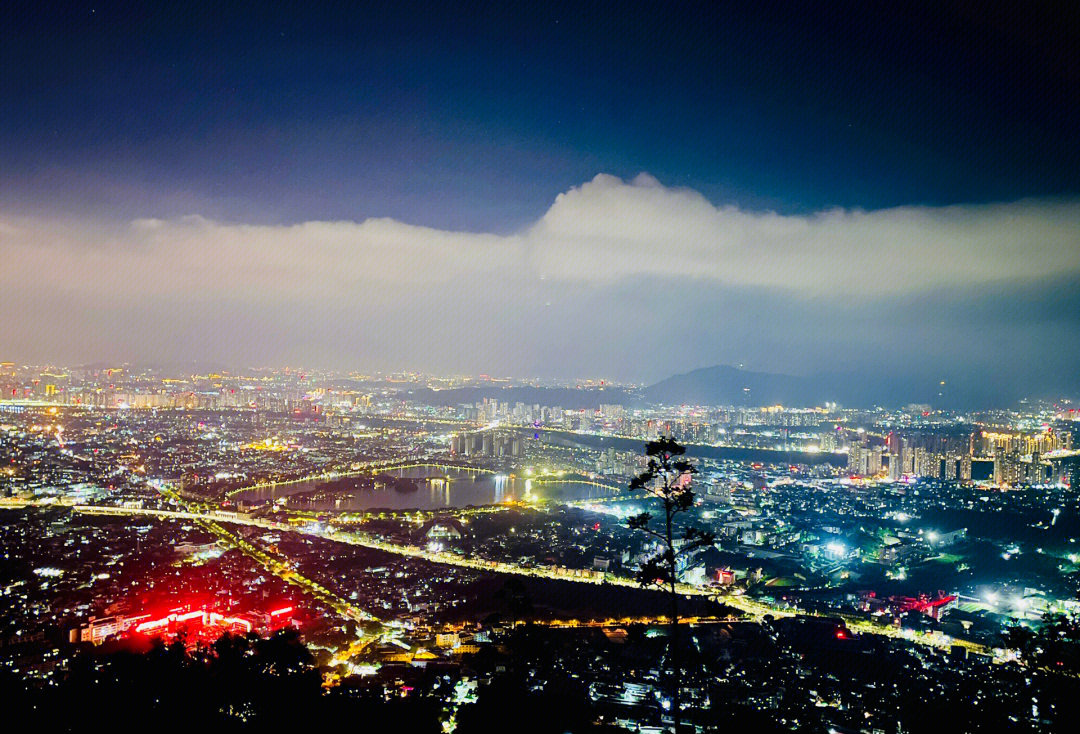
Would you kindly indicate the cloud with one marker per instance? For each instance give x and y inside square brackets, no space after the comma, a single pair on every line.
[603,231]
[151,257]
[608,229]
[571,294]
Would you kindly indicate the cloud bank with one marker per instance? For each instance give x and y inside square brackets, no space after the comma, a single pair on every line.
[574,293]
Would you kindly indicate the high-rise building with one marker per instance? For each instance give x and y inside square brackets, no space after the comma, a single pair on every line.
[864,460]
[828,441]
[1008,469]
[1035,474]
[963,469]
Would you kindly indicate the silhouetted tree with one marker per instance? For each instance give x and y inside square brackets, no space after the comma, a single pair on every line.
[1054,645]
[667,477]
[236,684]
[508,703]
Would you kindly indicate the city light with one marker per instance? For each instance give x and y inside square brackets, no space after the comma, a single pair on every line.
[536,367]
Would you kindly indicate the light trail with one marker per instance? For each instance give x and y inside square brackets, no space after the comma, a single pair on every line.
[283,570]
[279,566]
[751,607]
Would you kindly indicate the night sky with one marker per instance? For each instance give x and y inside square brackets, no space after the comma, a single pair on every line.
[456,187]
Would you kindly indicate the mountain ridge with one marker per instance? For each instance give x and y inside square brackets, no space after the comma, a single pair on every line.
[727,385]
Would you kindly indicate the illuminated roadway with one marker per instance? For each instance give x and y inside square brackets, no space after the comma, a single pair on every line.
[751,607]
[204,513]
[364,468]
[273,562]
[283,569]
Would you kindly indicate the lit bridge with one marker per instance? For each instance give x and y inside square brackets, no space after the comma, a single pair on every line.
[360,470]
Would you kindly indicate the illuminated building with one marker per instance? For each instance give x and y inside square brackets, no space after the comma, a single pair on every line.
[927,463]
[1035,471]
[718,491]
[828,441]
[864,461]
[448,529]
[193,624]
[99,629]
[1008,469]
[963,468]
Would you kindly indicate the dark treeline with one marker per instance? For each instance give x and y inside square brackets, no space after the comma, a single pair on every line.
[253,684]
[240,683]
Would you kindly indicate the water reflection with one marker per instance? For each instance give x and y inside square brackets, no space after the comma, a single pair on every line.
[436,488]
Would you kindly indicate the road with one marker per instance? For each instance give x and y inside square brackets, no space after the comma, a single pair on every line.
[753,608]
[281,568]
[362,468]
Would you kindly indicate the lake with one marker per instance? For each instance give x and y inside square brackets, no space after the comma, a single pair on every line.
[437,488]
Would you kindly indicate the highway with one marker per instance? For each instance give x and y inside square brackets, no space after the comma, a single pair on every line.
[753,608]
[281,568]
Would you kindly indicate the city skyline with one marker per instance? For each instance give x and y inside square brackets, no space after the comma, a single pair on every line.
[560,367]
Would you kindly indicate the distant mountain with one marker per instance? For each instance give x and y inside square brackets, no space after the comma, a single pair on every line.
[725,385]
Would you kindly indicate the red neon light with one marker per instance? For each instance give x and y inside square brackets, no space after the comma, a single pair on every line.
[206,619]
[283,610]
[152,624]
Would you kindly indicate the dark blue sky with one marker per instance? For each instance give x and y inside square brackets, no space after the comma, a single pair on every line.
[477,116]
